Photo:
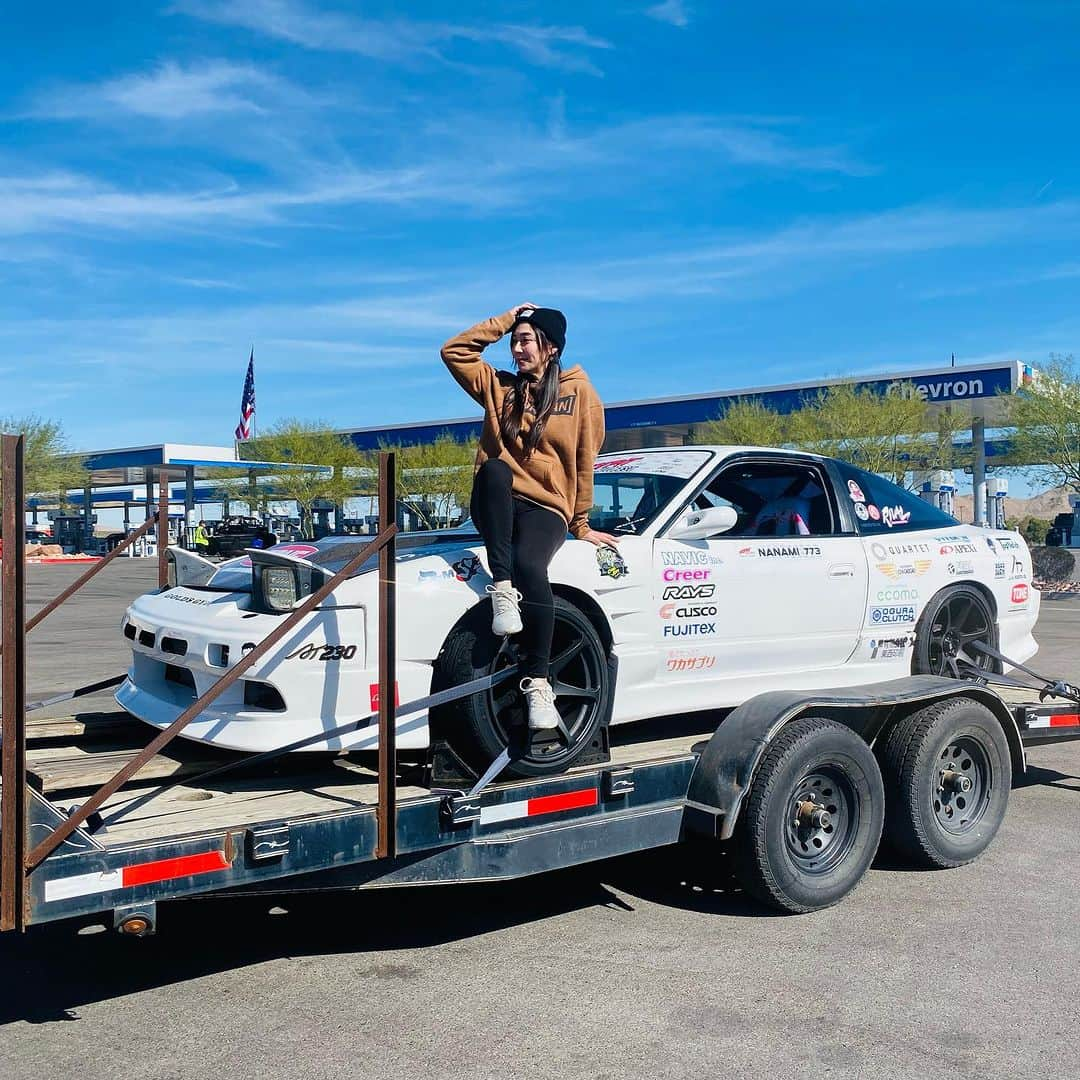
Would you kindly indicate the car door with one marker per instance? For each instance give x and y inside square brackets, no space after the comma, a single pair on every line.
[783,591]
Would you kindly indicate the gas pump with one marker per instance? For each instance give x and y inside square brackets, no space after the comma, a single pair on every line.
[69,531]
[997,488]
[938,488]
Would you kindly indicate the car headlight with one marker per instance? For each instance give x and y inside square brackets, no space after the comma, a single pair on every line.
[279,588]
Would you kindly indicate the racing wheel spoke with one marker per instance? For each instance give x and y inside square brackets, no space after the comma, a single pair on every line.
[568,654]
[566,690]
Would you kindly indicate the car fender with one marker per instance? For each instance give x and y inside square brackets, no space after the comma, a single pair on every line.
[727,762]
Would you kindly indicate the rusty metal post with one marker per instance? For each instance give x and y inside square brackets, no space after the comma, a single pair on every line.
[163,528]
[386,846]
[13,690]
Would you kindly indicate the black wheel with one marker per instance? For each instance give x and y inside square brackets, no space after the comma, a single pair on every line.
[812,818]
[954,621]
[947,774]
[480,727]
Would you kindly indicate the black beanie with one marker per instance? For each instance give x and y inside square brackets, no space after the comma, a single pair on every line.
[551,323]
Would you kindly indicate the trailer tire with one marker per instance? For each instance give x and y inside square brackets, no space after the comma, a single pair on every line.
[480,727]
[788,855]
[948,772]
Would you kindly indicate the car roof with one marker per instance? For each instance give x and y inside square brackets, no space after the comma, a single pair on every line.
[723,451]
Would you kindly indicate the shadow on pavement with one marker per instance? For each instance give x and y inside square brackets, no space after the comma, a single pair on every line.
[56,970]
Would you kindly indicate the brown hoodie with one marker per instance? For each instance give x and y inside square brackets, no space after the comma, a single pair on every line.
[559,473]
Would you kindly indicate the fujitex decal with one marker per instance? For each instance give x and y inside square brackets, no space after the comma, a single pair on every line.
[702,629]
[688,592]
[960,567]
[781,551]
[892,614]
[610,563]
[855,493]
[688,660]
[892,648]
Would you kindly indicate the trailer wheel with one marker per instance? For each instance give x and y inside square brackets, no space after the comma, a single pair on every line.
[947,778]
[480,727]
[954,621]
[812,818]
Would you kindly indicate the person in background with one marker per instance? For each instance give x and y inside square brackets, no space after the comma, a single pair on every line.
[201,540]
[543,427]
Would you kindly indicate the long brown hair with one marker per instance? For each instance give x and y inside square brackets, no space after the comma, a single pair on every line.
[545,394]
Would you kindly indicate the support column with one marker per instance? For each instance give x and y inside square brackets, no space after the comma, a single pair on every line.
[88,518]
[149,493]
[978,469]
[189,504]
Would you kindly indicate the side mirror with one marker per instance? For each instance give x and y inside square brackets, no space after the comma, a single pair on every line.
[702,524]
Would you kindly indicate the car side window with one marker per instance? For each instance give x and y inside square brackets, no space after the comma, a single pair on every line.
[882,507]
[771,498]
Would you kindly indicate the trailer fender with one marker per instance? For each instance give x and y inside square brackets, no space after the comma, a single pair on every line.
[727,762]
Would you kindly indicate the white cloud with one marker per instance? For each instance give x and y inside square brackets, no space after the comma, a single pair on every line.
[670,11]
[175,92]
[399,40]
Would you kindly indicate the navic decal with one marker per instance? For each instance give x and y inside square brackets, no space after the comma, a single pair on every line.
[685,558]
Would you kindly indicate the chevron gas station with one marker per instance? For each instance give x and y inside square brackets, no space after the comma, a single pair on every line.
[128,478]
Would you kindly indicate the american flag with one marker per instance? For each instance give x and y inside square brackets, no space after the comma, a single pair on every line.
[247,402]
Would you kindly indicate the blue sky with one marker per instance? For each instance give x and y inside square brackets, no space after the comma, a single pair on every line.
[719,195]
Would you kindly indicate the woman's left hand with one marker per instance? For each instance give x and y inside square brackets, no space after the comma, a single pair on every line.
[601,539]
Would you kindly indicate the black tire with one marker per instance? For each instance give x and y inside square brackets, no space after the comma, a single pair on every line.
[480,727]
[785,855]
[954,619]
[929,819]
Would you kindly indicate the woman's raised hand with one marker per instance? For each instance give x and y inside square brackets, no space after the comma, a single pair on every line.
[601,539]
[517,309]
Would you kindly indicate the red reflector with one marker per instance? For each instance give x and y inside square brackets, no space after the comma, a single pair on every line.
[182,866]
[1065,720]
[570,800]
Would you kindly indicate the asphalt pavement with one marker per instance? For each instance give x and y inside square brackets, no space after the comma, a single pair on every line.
[652,964]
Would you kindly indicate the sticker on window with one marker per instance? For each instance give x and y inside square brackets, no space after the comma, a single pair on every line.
[679,463]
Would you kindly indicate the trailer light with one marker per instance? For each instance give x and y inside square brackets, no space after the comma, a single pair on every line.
[279,588]
[135,926]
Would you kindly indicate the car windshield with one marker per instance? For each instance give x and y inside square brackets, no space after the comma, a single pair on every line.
[630,490]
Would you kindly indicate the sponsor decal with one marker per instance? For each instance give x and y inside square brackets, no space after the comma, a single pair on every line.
[621,464]
[861,512]
[436,575]
[958,549]
[999,569]
[689,661]
[323,653]
[688,592]
[679,463]
[1007,543]
[890,648]
[884,551]
[782,551]
[671,574]
[960,567]
[465,569]
[897,596]
[702,629]
[855,493]
[1019,595]
[610,563]
[895,515]
[184,598]
[1018,569]
[373,695]
[694,611]
[685,558]
[895,571]
[873,511]
[892,614]
[953,538]
[991,545]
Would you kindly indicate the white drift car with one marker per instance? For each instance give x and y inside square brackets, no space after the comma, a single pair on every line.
[739,570]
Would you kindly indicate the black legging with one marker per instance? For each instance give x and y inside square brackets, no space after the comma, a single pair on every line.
[521,539]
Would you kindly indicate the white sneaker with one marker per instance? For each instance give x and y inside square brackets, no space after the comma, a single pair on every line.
[505,603]
[543,716]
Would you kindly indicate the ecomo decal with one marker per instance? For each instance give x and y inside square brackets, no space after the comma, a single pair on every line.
[897,596]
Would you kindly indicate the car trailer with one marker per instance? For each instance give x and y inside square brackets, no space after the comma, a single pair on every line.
[801,786]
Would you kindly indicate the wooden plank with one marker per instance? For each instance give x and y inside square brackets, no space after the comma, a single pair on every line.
[88,725]
[73,768]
